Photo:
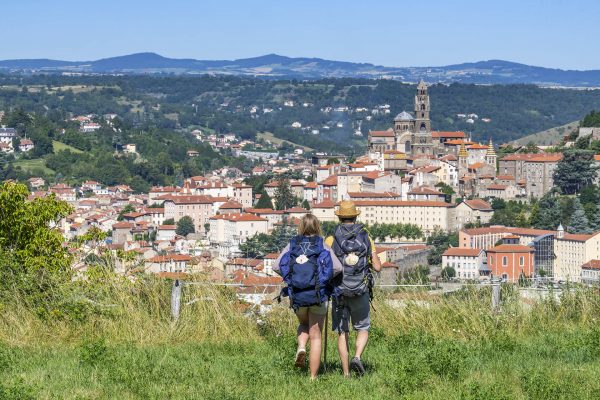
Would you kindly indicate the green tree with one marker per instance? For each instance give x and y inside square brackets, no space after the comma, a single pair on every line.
[169,221]
[185,226]
[33,260]
[579,222]
[546,214]
[305,204]
[448,273]
[129,208]
[264,201]
[576,170]
[440,241]
[284,197]
[446,189]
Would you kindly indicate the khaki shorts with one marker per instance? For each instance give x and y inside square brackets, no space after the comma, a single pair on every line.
[319,310]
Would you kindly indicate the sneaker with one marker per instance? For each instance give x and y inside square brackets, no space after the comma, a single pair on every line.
[300,358]
[357,366]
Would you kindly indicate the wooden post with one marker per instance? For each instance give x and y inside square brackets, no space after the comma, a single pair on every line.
[175,299]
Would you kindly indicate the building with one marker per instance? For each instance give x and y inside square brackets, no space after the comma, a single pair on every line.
[427,215]
[7,135]
[590,272]
[467,263]
[168,263]
[198,208]
[25,145]
[474,211]
[228,231]
[535,170]
[510,260]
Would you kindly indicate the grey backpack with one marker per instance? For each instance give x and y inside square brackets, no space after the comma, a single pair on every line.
[352,247]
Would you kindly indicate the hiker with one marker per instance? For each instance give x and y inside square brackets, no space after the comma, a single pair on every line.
[307,267]
[352,295]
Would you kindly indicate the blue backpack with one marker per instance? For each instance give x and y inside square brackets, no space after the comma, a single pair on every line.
[307,270]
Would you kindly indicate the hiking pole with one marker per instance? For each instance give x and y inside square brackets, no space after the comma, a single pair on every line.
[326,326]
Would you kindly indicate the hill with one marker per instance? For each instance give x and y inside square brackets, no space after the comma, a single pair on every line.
[277,66]
[550,136]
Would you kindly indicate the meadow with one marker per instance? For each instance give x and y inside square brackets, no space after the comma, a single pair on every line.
[114,339]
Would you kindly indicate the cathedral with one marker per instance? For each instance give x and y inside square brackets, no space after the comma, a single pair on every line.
[411,135]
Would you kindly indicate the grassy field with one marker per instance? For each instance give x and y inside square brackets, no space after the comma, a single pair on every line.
[37,164]
[269,136]
[58,146]
[430,348]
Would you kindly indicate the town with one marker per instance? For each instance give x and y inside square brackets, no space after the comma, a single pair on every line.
[411,184]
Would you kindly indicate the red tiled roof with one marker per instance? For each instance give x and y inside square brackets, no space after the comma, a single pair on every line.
[511,248]
[170,257]
[330,181]
[462,252]
[402,203]
[382,133]
[592,264]
[497,187]
[424,190]
[373,195]
[123,225]
[167,227]
[478,204]
[445,134]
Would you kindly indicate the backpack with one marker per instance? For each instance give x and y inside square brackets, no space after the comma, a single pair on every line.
[352,247]
[307,270]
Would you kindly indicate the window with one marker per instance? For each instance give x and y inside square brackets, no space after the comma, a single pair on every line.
[521,261]
[504,261]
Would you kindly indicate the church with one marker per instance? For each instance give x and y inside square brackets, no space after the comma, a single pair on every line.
[411,135]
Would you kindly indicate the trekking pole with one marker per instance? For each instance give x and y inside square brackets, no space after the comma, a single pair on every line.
[326,327]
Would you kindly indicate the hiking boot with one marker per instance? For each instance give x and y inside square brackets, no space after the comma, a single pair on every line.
[300,358]
[357,366]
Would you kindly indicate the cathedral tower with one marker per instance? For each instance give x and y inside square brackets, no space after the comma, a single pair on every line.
[422,143]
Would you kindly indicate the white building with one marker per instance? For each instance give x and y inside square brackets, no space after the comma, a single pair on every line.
[466,262]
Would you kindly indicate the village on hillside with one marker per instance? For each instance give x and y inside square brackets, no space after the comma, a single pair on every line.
[412,180]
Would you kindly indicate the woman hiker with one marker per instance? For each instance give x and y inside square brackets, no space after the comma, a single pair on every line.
[307,266]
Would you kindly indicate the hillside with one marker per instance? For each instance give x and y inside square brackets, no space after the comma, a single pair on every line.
[276,66]
[247,106]
[549,136]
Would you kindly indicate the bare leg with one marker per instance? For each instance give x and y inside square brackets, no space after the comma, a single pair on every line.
[315,325]
[343,350]
[302,315]
[362,337]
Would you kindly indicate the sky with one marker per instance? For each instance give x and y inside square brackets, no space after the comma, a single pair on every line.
[551,33]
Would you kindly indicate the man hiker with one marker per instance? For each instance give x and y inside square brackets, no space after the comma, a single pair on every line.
[352,293]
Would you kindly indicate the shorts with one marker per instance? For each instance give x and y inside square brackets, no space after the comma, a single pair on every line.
[316,309]
[355,309]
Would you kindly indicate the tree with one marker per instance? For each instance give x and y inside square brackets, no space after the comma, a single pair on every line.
[332,161]
[440,241]
[448,273]
[305,204]
[579,222]
[284,197]
[169,221]
[547,213]
[576,170]
[185,226]
[207,227]
[33,260]
[129,208]
[446,189]
[264,201]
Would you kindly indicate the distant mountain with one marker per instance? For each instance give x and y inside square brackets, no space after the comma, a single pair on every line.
[276,66]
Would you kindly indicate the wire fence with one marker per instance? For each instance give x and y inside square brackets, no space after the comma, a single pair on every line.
[178,285]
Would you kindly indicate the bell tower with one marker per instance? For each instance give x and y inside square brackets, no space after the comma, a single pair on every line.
[422,143]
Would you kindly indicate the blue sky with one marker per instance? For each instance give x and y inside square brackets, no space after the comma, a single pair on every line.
[551,33]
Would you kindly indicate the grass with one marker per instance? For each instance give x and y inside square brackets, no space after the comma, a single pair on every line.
[430,348]
[34,165]
[277,141]
[58,146]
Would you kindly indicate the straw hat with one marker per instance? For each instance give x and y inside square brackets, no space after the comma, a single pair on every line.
[347,209]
